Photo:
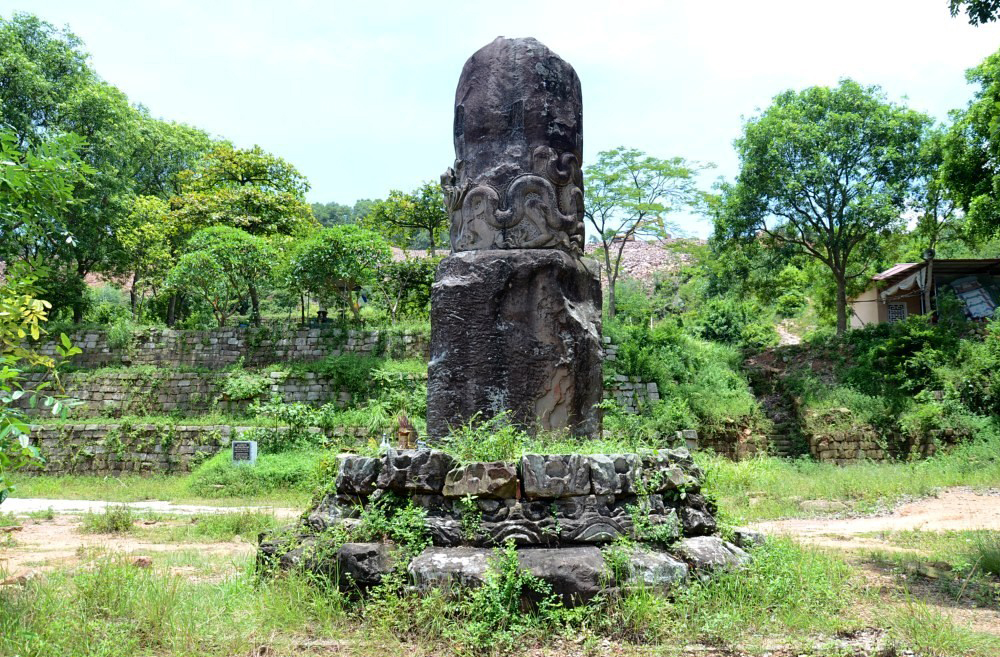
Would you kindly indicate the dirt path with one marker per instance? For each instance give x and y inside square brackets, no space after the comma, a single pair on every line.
[18,506]
[42,545]
[952,509]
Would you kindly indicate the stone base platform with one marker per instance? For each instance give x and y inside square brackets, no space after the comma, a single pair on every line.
[563,512]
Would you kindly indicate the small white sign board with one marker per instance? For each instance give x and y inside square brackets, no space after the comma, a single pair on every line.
[244,452]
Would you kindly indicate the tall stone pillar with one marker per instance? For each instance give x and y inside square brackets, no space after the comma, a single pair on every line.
[515,309]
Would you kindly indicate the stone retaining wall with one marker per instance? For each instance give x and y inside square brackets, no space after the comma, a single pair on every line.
[140,449]
[218,348]
[833,439]
[631,393]
[141,392]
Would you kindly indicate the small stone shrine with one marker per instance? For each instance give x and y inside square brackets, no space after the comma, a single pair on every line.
[515,310]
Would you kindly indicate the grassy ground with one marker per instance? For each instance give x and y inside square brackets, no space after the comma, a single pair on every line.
[135,488]
[767,488]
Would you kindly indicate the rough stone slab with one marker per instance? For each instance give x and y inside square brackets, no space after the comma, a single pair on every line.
[357,475]
[449,568]
[491,480]
[710,553]
[614,474]
[362,565]
[576,574]
[748,538]
[655,570]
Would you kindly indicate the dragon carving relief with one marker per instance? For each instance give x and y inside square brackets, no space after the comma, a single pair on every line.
[538,210]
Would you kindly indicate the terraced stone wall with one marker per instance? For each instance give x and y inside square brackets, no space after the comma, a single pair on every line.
[142,392]
[219,348]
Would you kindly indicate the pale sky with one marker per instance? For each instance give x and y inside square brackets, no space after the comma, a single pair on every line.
[358,95]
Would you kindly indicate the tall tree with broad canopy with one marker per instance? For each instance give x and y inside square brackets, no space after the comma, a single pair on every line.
[629,193]
[970,166]
[828,170]
[34,184]
[408,220]
[248,189]
[336,262]
[222,265]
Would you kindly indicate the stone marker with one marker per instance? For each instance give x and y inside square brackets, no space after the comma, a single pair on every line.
[515,311]
[244,452]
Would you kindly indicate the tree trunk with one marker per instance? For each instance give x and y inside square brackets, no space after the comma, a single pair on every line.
[841,305]
[431,250]
[172,309]
[131,295]
[254,306]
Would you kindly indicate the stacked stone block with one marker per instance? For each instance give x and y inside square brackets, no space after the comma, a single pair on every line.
[556,508]
[630,393]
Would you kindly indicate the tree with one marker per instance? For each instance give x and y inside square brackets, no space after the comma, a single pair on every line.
[40,66]
[247,189]
[336,262]
[971,147]
[629,193]
[145,237]
[938,212]
[405,285]
[33,185]
[404,218]
[828,171]
[977,11]
[244,188]
[332,214]
[222,266]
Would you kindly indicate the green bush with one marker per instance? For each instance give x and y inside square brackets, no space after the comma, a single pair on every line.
[219,477]
[701,383]
[116,519]
[736,322]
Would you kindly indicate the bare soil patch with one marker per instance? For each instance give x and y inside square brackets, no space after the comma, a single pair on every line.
[43,545]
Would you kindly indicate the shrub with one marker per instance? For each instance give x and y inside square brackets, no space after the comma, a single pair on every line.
[495,439]
[117,519]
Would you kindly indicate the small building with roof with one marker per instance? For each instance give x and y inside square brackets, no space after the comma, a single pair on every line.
[913,288]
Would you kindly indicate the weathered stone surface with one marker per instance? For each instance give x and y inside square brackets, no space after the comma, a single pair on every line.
[357,475]
[491,480]
[449,568]
[576,574]
[655,570]
[697,522]
[332,509]
[414,470]
[362,565]
[748,538]
[711,553]
[445,532]
[555,475]
[515,331]
[614,474]
[516,182]
[525,522]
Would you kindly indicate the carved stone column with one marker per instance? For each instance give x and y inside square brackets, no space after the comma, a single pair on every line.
[515,310]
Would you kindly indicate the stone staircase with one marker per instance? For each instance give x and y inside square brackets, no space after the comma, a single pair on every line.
[785,438]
